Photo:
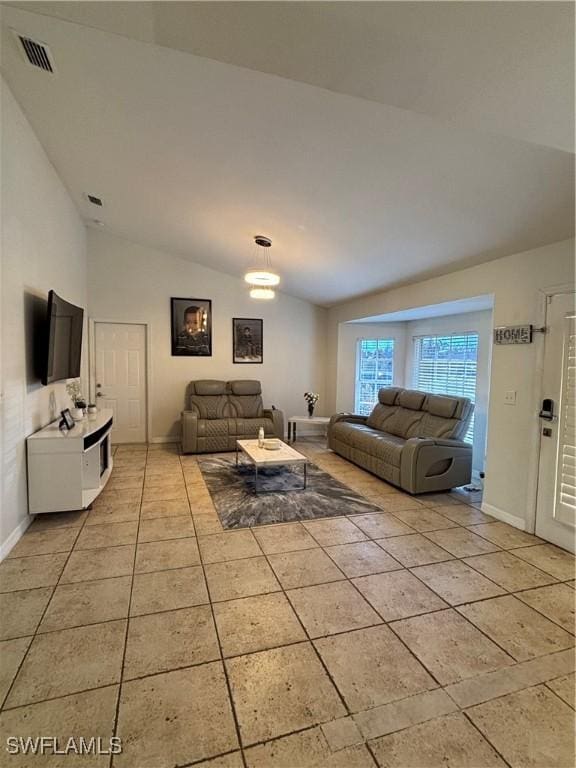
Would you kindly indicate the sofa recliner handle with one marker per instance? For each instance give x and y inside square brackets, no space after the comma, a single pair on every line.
[443,441]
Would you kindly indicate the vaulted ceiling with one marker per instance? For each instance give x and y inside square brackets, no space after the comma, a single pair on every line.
[375,143]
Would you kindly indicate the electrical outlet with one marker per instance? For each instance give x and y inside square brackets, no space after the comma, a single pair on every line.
[510,397]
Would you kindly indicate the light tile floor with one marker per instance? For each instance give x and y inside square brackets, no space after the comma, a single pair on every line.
[425,635]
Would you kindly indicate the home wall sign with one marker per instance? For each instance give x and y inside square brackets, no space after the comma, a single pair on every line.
[513,334]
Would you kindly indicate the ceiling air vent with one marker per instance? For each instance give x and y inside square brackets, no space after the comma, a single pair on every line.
[37,54]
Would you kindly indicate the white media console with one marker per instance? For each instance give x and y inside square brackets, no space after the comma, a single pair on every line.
[68,469]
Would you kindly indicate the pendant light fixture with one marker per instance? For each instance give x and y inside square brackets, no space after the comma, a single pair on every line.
[262,277]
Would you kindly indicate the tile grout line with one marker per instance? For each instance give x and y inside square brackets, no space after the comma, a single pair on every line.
[486,739]
[221,660]
[306,634]
[323,548]
[309,639]
[126,632]
[34,634]
[546,684]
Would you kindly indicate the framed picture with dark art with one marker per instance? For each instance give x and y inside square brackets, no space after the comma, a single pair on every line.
[247,340]
[67,420]
[191,321]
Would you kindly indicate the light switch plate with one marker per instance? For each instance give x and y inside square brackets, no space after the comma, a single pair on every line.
[510,397]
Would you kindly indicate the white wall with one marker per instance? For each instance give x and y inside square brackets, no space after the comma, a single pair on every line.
[43,247]
[518,283]
[349,334]
[132,283]
[481,323]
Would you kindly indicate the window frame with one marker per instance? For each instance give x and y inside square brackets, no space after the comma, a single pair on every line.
[416,358]
[359,342]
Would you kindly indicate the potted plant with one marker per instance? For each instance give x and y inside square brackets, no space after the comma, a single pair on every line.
[311,398]
[78,400]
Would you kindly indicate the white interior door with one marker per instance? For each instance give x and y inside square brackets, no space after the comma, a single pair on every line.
[556,507]
[120,377]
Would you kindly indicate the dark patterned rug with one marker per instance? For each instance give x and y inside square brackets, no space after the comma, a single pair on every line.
[282,500]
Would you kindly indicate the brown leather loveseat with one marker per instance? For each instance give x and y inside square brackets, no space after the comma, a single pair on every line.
[411,439]
[221,412]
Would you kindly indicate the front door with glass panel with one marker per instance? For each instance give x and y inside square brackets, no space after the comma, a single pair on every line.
[556,505]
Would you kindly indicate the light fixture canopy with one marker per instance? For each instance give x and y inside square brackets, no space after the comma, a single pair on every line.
[262,276]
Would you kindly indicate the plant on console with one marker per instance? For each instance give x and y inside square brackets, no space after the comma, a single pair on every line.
[73,389]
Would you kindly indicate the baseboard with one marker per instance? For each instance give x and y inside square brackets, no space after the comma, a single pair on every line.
[505,517]
[15,536]
[165,440]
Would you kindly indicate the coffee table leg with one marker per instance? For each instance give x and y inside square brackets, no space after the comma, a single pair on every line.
[256,478]
[294,432]
[305,475]
[236,454]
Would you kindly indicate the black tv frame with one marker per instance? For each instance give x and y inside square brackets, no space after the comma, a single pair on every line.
[77,313]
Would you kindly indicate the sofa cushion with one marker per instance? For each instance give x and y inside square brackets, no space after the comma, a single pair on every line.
[438,405]
[210,406]
[404,422]
[437,426]
[245,387]
[462,406]
[208,387]
[380,415]
[387,448]
[214,428]
[388,395]
[246,406]
[245,429]
[411,399]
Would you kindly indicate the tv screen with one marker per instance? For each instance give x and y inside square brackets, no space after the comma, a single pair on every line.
[64,347]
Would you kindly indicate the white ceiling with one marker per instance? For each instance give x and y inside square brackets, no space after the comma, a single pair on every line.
[466,62]
[445,308]
[431,145]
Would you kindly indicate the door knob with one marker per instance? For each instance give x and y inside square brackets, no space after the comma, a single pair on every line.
[100,394]
[547,410]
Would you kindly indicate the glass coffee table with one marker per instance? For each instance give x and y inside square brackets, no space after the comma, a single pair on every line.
[264,457]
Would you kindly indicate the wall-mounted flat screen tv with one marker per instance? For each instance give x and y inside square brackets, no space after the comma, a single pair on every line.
[64,340]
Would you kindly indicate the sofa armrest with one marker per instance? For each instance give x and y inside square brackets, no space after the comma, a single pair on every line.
[189,432]
[428,463]
[452,443]
[354,418]
[351,418]
[277,418]
[416,444]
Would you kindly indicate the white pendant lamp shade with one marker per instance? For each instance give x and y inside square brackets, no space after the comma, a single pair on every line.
[262,293]
[262,276]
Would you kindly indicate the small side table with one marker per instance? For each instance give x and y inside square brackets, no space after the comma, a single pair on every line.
[294,420]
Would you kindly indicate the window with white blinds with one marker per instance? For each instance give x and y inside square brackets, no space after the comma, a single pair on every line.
[566,481]
[374,370]
[447,365]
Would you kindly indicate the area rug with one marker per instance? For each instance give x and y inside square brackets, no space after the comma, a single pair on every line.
[232,491]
